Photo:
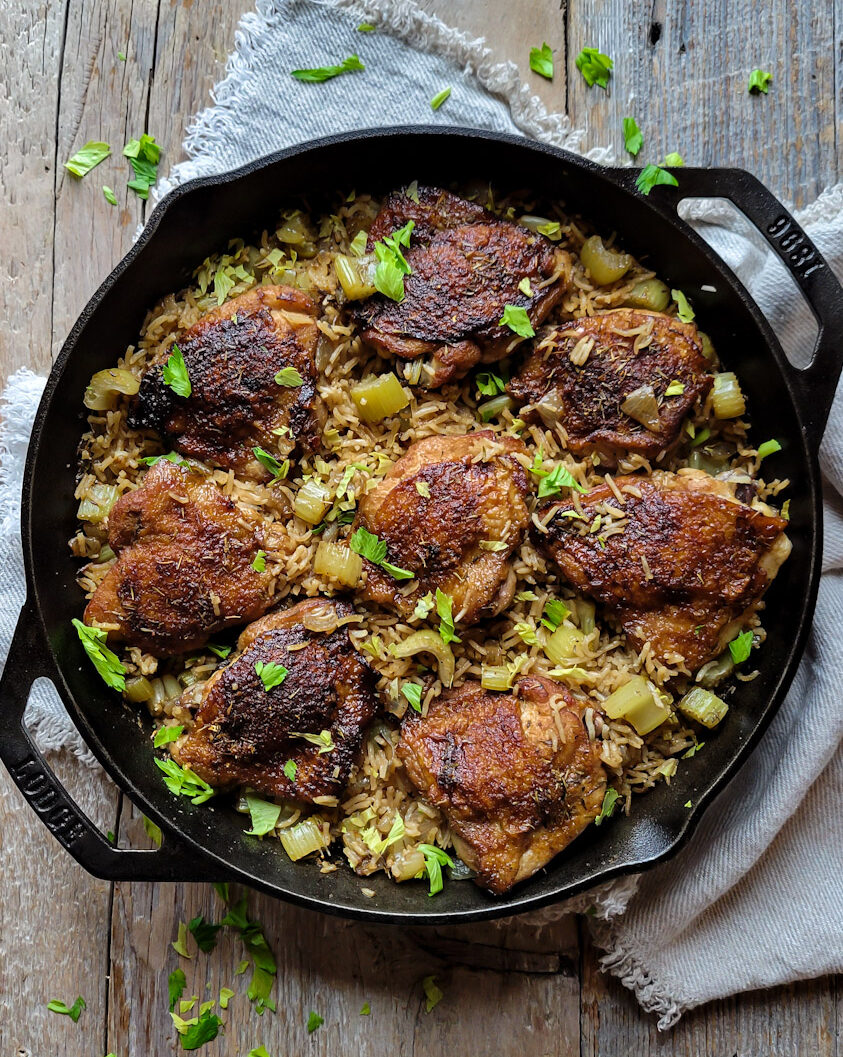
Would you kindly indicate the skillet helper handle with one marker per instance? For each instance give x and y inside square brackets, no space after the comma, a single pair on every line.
[28,661]
[815,385]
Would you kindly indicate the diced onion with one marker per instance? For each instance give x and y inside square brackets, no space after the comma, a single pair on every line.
[355,276]
[312,501]
[703,707]
[604,265]
[105,385]
[651,294]
[339,563]
[96,505]
[428,641]
[727,398]
[378,398]
[642,405]
[138,688]
[302,839]
[407,864]
[637,704]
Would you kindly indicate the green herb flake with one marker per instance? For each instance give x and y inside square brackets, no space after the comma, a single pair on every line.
[595,67]
[424,607]
[685,312]
[314,1021]
[526,596]
[204,932]
[87,158]
[111,837]
[434,859]
[241,967]
[413,693]
[175,373]
[181,781]
[290,770]
[121,55]
[109,195]
[687,803]
[357,246]
[652,176]
[270,673]
[673,160]
[392,265]
[439,98]
[74,1011]
[365,1010]
[552,483]
[173,457]
[433,995]
[278,469]
[220,651]
[365,27]
[368,546]
[179,945]
[541,61]
[260,1051]
[515,317]
[265,968]
[259,562]
[176,983]
[527,633]
[318,74]
[444,609]
[701,437]
[675,389]
[740,647]
[144,155]
[226,995]
[555,612]
[785,511]
[204,1030]
[264,816]
[525,287]
[489,384]
[164,735]
[289,377]
[610,800]
[694,749]
[106,663]
[153,831]
[759,81]
[323,739]
[633,140]
[769,447]
[423,488]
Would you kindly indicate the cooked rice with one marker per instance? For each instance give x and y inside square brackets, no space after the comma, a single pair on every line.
[379,789]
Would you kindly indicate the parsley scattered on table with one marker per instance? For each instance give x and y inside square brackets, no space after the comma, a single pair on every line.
[652,176]
[207,1027]
[153,831]
[433,995]
[595,67]
[633,140]
[176,983]
[265,968]
[365,1009]
[204,932]
[541,61]
[74,1011]
[179,944]
[109,195]
[759,81]
[439,98]
[87,158]
[144,155]
[314,1021]
[325,73]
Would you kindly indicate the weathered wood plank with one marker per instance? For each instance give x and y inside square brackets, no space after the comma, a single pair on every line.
[681,68]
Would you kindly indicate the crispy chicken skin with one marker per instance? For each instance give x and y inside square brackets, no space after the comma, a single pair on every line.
[245,734]
[477,493]
[687,570]
[183,570]
[232,356]
[587,398]
[515,783]
[466,266]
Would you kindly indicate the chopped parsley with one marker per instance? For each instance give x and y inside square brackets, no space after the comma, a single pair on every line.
[434,859]
[653,175]
[368,546]
[260,986]
[759,81]
[740,647]
[687,803]
[413,693]
[541,61]
[769,447]
[175,373]
[220,651]
[489,384]
[279,470]
[515,317]
[173,457]
[555,612]
[121,55]
[433,995]
[633,140]
[492,545]
[610,800]
[595,67]
[392,265]
[318,74]
[525,287]
[110,196]
[365,1009]
[553,482]
[207,1027]
[323,739]
[204,932]
[226,995]
[164,735]
[144,155]
[376,844]
[108,664]
[527,633]
[444,609]
[439,98]
[270,673]
[87,158]
[685,312]
[264,816]
[259,562]
[259,1051]
[74,1011]
[694,749]
[290,377]
[181,781]
[675,388]
[423,488]
[314,1021]
[176,983]
[153,831]
[180,945]
[365,27]
[551,230]
[673,160]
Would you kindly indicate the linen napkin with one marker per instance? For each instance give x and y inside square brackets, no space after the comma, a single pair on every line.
[737,908]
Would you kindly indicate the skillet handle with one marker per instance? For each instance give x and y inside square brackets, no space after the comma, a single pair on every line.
[28,661]
[815,385]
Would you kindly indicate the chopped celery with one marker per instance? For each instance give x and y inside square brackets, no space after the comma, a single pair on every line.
[637,704]
[703,707]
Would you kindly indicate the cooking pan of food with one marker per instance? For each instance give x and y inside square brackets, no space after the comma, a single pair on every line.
[421,525]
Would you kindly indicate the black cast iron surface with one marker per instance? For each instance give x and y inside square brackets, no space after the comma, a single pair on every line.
[207,842]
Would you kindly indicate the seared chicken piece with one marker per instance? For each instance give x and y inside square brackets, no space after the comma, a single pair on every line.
[245,734]
[466,268]
[515,774]
[688,568]
[232,356]
[184,564]
[435,509]
[581,373]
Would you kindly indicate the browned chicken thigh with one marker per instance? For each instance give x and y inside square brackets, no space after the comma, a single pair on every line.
[515,774]
[466,267]
[686,571]
[232,356]
[184,564]
[580,374]
[247,735]
[451,511]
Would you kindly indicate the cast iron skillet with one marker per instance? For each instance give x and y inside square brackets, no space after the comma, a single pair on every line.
[207,842]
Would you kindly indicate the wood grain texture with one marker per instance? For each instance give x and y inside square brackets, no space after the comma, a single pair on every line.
[510,990]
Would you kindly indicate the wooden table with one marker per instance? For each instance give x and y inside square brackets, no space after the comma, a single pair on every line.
[681,68]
